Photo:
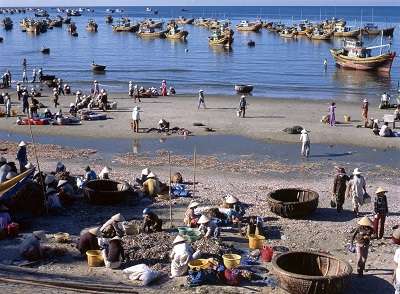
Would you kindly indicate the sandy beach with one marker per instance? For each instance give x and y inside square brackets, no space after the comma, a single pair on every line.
[265,119]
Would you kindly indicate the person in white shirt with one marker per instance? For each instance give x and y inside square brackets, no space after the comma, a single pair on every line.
[385,131]
[136,118]
[305,141]
[385,100]
[396,280]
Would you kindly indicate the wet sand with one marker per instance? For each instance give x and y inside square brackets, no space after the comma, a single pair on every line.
[266,118]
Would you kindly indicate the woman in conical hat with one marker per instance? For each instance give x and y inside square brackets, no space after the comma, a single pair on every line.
[362,236]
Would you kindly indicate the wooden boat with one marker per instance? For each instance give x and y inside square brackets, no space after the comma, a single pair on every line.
[251,43]
[183,20]
[55,23]
[109,19]
[41,13]
[98,67]
[221,38]
[9,183]
[246,26]
[201,22]
[11,187]
[150,33]
[308,272]
[1,39]
[292,203]
[7,23]
[72,28]
[152,24]
[33,27]
[67,20]
[125,27]
[346,32]
[244,89]
[373,30]
[288,33]
[354,55]
[320,35]
[92,26]
[105,192]
[45,50]
[176,35]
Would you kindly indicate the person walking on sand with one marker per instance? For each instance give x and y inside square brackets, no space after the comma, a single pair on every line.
[332,115]
[164,90]
[24,76]
[96,88]
[242,106]
[364,108]
[55,97]
[25,102]
[339,187]
[22,156]
[201,100]
[381,210]
[24,64]
[34,75]
[18,90]
[7,102]
[305,143]
[362,236]
[357,190]
[136,118]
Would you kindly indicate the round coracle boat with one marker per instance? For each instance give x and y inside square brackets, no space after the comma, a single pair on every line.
[105,192]
[303,272]
[292,203]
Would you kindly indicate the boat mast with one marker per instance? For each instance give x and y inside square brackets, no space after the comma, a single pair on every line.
[381,42]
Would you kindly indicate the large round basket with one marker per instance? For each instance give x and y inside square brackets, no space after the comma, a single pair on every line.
[105,192]
[304,272]
[292,203]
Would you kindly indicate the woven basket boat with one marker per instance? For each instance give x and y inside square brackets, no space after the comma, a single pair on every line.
[105,192]
[292,203]
[304,272]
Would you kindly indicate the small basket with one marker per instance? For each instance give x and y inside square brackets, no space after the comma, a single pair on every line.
[94,258]
[256,241]
[231,260]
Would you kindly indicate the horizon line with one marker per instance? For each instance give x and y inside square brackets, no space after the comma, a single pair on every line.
[251,5]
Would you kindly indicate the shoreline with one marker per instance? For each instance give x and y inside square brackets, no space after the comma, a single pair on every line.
[266,118]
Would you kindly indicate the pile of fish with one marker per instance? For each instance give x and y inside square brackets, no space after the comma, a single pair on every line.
[149,248]
[213,248]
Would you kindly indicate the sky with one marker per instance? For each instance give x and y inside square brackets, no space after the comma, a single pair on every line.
[81,3]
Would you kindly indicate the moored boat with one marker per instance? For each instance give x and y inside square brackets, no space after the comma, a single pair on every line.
[346,32]
[221,38]
[373,30]
[45,50]
[174,33]
[243,89]
[246,26]
[72,29]
[288,33]
[109,19]
[92,26]
[320,35]
[7,23]
[182,20]
[98,67]
[125,25]
[354,55]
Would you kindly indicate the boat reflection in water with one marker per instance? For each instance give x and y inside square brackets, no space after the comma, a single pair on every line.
[360,84]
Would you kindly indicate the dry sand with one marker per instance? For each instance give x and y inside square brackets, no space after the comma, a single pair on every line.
[266,118]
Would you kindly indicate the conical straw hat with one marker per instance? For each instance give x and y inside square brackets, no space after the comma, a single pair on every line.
[365,221]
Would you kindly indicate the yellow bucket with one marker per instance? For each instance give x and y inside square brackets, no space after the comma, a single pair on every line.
[95,258]
[198,264]
[256,241]
[347,118]
[231,260]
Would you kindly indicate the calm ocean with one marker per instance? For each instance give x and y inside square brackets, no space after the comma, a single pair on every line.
[276,67]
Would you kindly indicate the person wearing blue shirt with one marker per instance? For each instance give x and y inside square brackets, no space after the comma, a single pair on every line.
[22,156]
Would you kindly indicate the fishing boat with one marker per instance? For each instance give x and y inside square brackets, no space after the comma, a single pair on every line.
[109,19]
[98,67]
[373,30]
[174,33]
[55,23]
[288,33]
[246,26]
[92,26]
[320,35]
[67,20]
[182,20]
[45,50]
[243,89]
[12,186]
[152,24]
[125,25]
[150,33]
[1,39]
[41,13]
[221,38]
[346,32]
[73,12]
[251,43]
[7,23]
[201,22]
[33,27]
[354,55]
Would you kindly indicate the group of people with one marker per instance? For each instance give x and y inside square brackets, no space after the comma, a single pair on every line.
[136,92]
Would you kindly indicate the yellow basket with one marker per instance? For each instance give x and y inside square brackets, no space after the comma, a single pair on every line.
[256,241]
[198,264]
[95,258]
[231,260]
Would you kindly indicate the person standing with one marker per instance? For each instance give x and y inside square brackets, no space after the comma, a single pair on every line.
[325,64]
[164,90]
[381,210]
[22,156]
[332,114]
[55,97]
[339,187]
[40,74]
[25,102]
[130,89]
[357,190]
[364,108]
[7,102]
[242,106]
[9,77]
[136,93]
[60,87]
[34,75]
[96,88]
[24,76]
[305,143]
[396,278]
[362,236]
[24,64]
[18,90]
[136,118]
[201,100]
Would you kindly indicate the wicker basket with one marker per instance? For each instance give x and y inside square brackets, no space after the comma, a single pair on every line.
[105,192]
[292,203]
[306,272]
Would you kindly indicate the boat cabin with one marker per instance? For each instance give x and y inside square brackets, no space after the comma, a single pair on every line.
[370,26]
[356,49]
[244,23]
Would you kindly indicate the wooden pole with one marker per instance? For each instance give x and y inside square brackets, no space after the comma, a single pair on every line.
[194,171]
[169,190]
[37,162]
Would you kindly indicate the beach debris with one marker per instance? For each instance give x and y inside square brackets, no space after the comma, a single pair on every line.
[293,130]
